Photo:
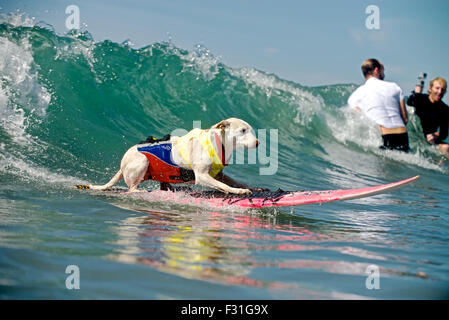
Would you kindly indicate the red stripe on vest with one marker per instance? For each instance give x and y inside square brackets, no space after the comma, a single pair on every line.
[160,171]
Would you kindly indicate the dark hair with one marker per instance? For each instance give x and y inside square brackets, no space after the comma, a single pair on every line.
[369,65]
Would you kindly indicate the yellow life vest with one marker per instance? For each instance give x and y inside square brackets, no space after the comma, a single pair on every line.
[203,137]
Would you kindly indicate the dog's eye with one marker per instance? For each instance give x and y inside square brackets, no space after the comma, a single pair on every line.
[243,130]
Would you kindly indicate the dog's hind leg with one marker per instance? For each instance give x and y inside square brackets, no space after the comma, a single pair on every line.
[114,180]
[134,172]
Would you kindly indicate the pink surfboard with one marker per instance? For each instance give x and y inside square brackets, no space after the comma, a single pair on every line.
[269,198]
[278,199]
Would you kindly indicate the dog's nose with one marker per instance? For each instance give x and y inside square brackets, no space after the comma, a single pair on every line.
[257,143]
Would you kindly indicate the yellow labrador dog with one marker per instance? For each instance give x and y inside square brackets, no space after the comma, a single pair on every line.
[200,155]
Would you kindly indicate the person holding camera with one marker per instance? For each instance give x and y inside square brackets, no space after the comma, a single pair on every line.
[432,111]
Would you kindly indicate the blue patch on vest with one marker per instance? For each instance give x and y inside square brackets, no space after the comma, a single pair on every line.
[161,151]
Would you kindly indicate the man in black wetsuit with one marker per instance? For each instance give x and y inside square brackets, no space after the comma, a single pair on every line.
[433,113]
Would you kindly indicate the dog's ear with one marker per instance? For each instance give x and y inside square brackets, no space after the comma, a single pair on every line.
[224,124]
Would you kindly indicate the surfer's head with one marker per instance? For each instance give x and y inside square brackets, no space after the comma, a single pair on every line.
[437,89]
[373,68]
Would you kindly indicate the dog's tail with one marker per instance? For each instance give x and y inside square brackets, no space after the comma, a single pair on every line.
[114,180]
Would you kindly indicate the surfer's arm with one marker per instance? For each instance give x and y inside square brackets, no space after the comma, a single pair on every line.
[432,137]
[355,99]
[403,110]
[412,99]
[418,89]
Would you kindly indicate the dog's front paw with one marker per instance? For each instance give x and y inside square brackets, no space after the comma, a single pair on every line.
[243,191]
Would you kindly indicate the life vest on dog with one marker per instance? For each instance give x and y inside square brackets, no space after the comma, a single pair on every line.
[160,162]
[213,148]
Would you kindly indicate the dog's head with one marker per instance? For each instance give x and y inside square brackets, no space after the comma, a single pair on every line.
[238,133]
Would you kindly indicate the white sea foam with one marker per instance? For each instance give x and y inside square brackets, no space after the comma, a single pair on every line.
[30,172]
[352,126]
[202,61]
[18,19]
[78,47]
[307,104]
[23,103]
[22,97]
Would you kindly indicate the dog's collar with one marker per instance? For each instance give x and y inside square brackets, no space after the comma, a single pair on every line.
[223,155]
[222,151]
[223,159]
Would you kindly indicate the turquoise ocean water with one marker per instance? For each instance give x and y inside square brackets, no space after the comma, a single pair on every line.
[70,107]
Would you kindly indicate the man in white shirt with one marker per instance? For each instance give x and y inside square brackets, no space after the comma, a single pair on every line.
[383,102]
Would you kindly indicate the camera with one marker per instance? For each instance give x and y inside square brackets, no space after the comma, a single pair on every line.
[422,76]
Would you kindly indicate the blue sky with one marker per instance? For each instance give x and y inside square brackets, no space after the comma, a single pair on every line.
[309,42]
